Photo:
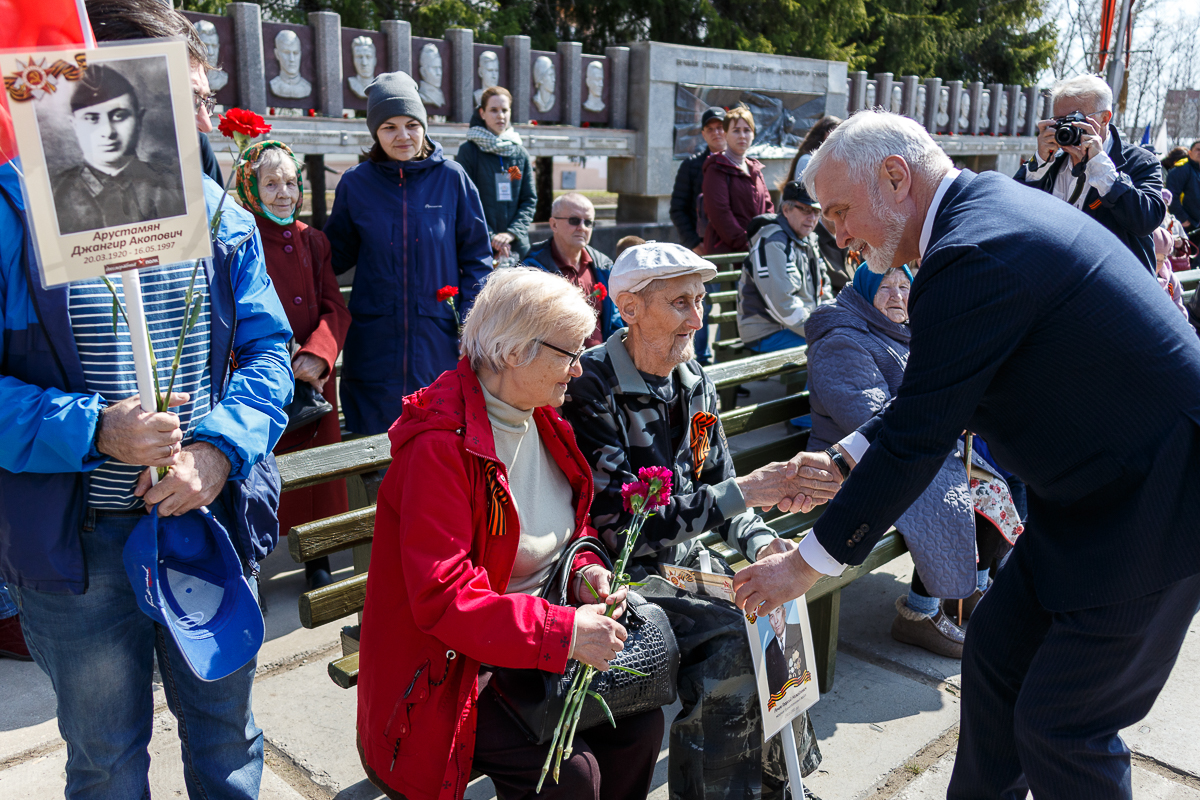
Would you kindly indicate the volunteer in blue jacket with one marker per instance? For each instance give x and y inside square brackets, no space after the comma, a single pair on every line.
[74,451]
[411,222]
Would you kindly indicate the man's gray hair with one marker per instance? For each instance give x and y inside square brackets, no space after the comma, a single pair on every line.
[516,307]
[867,138]
[1084,87]
[570,198]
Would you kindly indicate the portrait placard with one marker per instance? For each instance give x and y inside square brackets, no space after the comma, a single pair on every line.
[784,664]
[110,157]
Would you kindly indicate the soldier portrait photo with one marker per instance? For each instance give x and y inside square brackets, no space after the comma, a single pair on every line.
[111,147]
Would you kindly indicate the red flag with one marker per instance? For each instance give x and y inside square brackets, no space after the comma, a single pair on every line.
[45,23]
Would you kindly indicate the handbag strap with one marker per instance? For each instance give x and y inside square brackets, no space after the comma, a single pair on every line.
[555,590]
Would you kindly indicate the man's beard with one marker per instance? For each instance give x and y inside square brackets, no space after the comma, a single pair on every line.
[681,353]
[880,258]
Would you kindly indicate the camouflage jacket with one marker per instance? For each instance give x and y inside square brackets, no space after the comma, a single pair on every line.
[621,426]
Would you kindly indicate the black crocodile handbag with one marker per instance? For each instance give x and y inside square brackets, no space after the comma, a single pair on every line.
[535,698]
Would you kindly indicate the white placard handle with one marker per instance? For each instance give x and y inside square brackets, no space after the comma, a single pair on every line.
[792,759]
[140,339]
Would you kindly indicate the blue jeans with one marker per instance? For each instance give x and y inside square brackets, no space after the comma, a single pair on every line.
[98,649]
[779,340]
[7,609]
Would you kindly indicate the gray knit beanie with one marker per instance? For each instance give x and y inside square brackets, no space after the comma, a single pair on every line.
[393,94]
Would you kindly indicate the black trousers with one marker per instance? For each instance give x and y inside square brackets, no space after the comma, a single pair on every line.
[992,548]
[607,762]
[1044,693]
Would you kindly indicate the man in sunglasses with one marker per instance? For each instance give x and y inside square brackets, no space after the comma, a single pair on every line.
[567,253]
[1117,184]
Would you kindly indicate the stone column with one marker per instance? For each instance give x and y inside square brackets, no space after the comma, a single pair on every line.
[1031,111]
[908,101]
[1047,108]
[399,45]
[1014,101]
[975,89]
[618,71]
[327,42]
[953,104]
[462,75]
[993,120]
[252,73]
[519,76]
[933,96]
[858,91]
[883,90]
[570,79]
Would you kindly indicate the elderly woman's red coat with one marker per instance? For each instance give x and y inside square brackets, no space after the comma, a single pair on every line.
[731,199]
[446,535]
[298,261]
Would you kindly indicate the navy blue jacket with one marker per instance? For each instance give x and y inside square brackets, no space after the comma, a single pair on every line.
[1134,206]
[411,227]
[48,417]
[1032,326]
[610,319]
[1184,183]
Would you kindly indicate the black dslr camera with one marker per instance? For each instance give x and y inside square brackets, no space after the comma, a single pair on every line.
[1066,134]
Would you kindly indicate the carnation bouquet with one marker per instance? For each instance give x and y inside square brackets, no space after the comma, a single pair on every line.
[642,497]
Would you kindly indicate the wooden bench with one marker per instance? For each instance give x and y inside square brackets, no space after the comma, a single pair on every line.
[354,530]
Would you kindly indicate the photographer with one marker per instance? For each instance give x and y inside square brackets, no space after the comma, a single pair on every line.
[1083,161]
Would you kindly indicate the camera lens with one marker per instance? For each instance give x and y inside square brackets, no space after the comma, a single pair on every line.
[1067,135]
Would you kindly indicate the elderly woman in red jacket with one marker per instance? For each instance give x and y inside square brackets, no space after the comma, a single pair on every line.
[734,189]
[486,490]
[298,261]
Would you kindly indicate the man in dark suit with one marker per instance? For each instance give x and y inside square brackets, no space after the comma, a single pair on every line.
[1033,327]
[1117,184]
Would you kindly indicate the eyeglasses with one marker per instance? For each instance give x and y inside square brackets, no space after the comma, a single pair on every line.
[573,356]
[575,222]
[209,102]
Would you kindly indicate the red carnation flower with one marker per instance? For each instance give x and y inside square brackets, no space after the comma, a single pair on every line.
[243,122]
[658,479]
[600,292]
[446,292]
[514,173]
[633,495]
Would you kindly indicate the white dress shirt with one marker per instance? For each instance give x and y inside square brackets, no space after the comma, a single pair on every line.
[1100,172]
[814,554]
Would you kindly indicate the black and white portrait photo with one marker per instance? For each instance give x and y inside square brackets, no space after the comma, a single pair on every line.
[110,145]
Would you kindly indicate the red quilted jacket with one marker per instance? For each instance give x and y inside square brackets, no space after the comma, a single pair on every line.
[446,536]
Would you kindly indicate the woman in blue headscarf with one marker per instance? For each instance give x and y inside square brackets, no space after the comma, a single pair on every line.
[857,352]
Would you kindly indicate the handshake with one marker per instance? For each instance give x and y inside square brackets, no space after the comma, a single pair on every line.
[803,483]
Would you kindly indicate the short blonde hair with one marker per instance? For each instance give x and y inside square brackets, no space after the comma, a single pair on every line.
[516,307]
[736,113]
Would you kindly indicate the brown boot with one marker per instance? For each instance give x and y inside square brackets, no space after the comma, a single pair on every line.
[12,640]
[937,634]
[950,607]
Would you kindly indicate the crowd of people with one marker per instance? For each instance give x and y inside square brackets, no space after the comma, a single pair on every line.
[521,401]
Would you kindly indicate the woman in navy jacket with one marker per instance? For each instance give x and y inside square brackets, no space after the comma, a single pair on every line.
[411,222]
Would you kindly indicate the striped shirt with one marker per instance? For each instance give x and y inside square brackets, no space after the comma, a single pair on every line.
[108,360]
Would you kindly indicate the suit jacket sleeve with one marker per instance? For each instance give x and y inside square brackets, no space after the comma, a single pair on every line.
[969,313]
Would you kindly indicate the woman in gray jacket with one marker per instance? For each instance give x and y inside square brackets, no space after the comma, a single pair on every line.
[857,352]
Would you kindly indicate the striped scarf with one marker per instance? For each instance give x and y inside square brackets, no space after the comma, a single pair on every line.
[506,145]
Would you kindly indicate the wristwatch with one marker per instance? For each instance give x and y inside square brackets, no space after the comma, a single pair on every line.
[839,461]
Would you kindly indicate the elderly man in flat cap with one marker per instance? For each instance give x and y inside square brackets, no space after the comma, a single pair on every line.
[113,186]
[644,401]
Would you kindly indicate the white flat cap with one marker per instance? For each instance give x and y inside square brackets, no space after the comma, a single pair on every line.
[638,266]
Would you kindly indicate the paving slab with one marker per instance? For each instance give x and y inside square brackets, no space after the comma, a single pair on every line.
[868,608]
[1170,733]
[871,723]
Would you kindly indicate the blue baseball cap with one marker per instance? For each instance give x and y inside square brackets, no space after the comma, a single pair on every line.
[188,578]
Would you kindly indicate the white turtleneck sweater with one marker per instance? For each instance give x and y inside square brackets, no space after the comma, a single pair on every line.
[540,491]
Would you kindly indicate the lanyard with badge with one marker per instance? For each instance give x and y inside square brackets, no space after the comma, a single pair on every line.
[503,184]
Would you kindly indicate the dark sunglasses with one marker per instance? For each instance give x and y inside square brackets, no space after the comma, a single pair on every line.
[575,222]
[573,356]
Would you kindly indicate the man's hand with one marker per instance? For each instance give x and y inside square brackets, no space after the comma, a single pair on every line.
[195,480]
[1091,144]
[809,475]
[313,369]
[770,583]
[143,438]
[1046,146]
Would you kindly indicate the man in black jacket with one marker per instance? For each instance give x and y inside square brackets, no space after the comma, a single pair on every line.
[1118,185]
[1184,183]
[690,178]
